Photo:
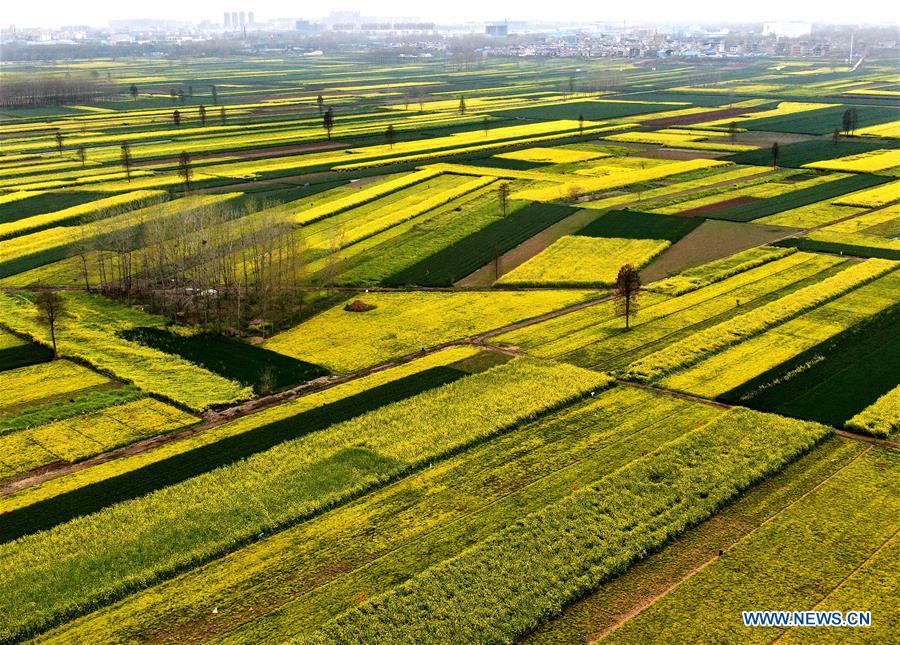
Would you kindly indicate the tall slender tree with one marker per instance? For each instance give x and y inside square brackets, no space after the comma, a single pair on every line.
[321,103]
[775,153]
[202,112]
[176,118]
[125,153]
[503,197]
[628,285]
[328,121]
[222,115]
[51,307]
[390,136]
[581,125]
[185,170]
[215,94]
[462,104]
[59,140]
[81,151]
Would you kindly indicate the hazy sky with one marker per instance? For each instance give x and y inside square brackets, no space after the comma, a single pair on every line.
[98,12]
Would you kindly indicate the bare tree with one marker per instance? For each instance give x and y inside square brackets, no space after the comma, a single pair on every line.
[202,111]
[628,285]
[59,140]
[125,152]
[486,123]
[328,122]
[185,170]
[51,307]
[222,115]
[462,104]
[81,151]
[390,136]
[503,197]
[215,94]
[849,120]
[321,103]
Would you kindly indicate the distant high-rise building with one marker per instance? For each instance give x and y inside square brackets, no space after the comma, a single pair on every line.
[243,18]
[234,20]
[497,29]
[227,20]
[250,20]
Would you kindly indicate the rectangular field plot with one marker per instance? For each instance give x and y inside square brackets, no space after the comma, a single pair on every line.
[575,260]
[728,369]
[623,598]
[403,323]
[289,483]
[84,436]
[291,583]
[834,549]
[596,337]
[832,381]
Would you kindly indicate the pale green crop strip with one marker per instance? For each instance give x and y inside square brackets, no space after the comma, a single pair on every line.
[510,582]
[689,350]
[92,560]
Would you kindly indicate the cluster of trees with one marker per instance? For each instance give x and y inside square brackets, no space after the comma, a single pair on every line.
[43,90]
[216,266]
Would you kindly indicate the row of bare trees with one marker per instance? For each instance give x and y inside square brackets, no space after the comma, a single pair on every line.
[218,266]
[43,90]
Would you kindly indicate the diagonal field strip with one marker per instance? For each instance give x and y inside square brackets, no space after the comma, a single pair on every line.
[712,559]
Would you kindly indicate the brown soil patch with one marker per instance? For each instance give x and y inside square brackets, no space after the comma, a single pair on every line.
[719,206]
[702,117]
[681,154]
[766,139]
[712,240]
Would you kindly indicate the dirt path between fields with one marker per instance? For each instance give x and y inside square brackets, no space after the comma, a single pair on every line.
[652,600]
[214,418]
[862,564]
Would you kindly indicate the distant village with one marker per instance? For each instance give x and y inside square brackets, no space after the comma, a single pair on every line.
[241,31]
